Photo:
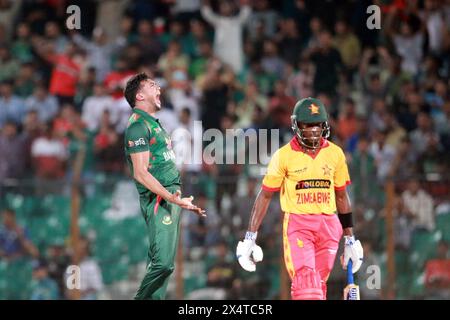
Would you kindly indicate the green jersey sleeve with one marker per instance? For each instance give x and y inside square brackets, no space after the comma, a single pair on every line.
[137,138]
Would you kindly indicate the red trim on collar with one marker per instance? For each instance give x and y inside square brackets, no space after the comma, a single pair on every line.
[295,145]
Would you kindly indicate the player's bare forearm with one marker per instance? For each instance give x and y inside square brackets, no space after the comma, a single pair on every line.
[147,179]
[259,210]
[141,175]
[343,206]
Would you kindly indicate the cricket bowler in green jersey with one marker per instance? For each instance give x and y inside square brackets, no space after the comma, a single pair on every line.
[151,160]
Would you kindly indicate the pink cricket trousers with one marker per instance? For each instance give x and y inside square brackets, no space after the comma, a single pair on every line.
[310,244]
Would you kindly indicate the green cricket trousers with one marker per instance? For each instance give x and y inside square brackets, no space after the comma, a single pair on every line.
[163,226]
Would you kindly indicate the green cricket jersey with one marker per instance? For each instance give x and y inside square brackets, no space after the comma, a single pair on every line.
[145,133]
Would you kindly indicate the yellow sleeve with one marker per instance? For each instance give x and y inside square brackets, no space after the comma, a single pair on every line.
[341,175]
[275,173]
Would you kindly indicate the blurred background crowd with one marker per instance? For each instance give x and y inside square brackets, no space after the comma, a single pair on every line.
[229,64]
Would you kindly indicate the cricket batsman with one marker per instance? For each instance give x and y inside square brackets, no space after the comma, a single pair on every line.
[151,160]
[311,175]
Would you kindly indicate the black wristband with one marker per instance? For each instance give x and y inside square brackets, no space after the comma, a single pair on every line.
[346,219]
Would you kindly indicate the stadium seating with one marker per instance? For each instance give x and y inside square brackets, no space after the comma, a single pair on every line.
[443,225]
[119,244]
[15,279]
[423,247]
[417,285]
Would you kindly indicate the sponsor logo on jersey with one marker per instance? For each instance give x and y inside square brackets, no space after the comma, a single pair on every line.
[139,142]
[313,183]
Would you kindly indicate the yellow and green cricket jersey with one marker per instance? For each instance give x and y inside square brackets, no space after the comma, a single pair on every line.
[307,183]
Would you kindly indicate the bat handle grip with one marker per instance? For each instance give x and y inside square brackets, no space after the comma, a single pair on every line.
[349,272]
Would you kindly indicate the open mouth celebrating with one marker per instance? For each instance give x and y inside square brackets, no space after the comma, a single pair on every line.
[157,100]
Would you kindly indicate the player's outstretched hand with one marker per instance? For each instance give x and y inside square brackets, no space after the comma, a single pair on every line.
[186,203]
[248,252]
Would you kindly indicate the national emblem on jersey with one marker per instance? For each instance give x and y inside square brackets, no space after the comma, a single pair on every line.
[326,170]
[167,220]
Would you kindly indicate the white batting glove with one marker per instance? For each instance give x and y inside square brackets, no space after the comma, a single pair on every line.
[248,252]
[352,250]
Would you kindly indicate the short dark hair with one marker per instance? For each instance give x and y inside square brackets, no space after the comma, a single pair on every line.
[186,110]
[133,86]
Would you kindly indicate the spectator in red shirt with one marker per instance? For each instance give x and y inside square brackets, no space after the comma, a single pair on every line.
[437,273]
[115,79]
[64,123]
[347,121]
[66,70]
[65,74]
[48,155]
[107,145]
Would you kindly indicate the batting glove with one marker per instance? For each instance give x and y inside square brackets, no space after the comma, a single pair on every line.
[248,252]
[352,250]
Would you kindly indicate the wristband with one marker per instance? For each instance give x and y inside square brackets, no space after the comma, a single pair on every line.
[346,219]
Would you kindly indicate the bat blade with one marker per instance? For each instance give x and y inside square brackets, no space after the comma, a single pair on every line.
[351,291]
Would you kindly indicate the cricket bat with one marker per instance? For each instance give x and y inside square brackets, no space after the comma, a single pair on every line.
[351,291]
